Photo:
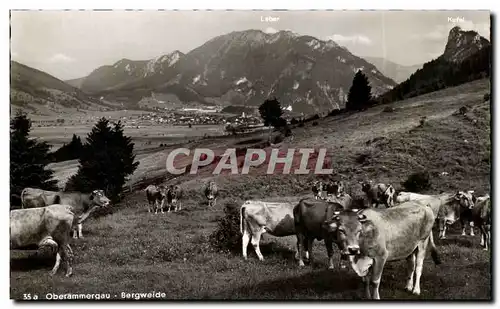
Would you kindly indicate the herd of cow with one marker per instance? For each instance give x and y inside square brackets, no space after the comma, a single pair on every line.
[48,217]
[366,235]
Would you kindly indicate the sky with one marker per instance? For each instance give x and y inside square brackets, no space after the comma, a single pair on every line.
[71,44]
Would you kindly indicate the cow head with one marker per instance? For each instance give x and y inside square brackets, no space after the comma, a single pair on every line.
[349,226]
[99,198]
[163,191]
[465,199]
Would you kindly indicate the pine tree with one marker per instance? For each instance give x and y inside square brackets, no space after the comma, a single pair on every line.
[360,93]
[106,161]
[69,151]
[270,111]
[28,160]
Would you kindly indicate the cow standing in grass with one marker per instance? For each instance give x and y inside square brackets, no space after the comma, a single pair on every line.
[379,194]
[258,217]
[317,189]
[156,196]
[211,192]
[174,195]
[309,218]
[44,226]
[480,215]
[83,203]
[373,237]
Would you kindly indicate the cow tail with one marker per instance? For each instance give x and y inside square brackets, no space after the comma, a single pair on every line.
[242,216]
[434,252]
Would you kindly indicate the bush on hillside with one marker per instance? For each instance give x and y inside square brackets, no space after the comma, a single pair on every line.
[359,96]
[227,235]
[315,123]
[301,124]
[417,182]
[486,97]
[389,109]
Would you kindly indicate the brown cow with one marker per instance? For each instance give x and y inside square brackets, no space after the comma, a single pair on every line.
[174,195]
[373,237]
[83,203]
[211,192]
[156,196]
[379,194]
[44,226]
[309,216]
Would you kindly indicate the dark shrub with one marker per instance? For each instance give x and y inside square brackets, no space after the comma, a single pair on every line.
[315,123]
[227,235]
[486,97]
[294,121]
[388,109]
[301,125]
[417,182]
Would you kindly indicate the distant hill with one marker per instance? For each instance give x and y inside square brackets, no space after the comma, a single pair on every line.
[39,92]
[467,56]
[77,82]
[396,72]
[243,68]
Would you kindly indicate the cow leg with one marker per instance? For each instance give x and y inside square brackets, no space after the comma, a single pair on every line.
[80,232]
[300,248]
[411,270]
[309,245]
[67,257]
[245,240]
[482,236]
[255,243]
[366,280]
[329,250]
[56,265]
[75,232]
[378,268]
[422,246]
[462,222]
[471,224]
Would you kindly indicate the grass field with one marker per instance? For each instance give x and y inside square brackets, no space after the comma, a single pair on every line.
[133,251]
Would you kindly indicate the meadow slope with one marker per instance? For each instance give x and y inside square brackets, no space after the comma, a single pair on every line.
[131,250]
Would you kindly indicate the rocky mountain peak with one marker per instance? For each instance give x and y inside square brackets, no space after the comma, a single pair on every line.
[462,44]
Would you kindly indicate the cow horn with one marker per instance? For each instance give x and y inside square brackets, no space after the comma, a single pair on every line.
[361,217]
[355,210]
[337,213]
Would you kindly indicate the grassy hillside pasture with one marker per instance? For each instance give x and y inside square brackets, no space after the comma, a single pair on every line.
[131,250]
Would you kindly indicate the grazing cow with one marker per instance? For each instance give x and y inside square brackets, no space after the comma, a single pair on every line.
[317,189]
[257,218]
[334,188]
[83,203]
[343,199]
[373,237]
[44,226]
[457,208]
[436,202]
[379,194]
[174,194]
[480,215]
[211,192]
[156,197]
[309,216]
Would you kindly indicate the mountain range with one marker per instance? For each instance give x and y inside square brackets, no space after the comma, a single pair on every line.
[39,92]
[241,68]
